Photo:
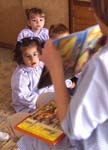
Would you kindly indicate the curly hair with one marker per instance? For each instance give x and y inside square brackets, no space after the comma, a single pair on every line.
[25,43]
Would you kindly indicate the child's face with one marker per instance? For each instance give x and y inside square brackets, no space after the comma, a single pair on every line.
[36,22]
[30,56]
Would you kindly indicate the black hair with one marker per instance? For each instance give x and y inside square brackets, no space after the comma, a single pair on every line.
[25,43]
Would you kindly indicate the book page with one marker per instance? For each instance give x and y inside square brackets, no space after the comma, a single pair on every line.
[43,124]
[75,50]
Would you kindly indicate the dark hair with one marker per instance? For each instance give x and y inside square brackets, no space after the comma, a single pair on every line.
[57,29]
[37,11]
[101,9]
[25,43]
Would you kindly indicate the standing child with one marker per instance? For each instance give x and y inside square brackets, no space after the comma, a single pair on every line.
[26,76]
[35,25]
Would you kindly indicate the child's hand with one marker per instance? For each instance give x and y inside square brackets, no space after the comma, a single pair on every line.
[73,85]
[70,84]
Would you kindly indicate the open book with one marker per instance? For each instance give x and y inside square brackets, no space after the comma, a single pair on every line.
[75,50]
[43,124]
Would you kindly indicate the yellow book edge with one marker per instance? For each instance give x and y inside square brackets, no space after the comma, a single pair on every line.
[40,130]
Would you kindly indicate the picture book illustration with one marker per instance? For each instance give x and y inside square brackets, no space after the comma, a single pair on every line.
[75,49]
[43,124]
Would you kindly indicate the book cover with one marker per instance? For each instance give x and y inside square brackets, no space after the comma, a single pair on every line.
[75,50]
[43,124]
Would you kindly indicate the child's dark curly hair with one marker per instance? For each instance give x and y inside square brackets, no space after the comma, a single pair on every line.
[25,43]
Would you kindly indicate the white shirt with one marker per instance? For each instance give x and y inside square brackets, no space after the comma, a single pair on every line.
[24,84]
[43,35]
[88,109]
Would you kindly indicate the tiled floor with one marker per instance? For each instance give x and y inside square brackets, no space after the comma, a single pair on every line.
[6,68]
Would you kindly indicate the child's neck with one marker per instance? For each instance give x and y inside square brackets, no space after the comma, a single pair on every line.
[36,31]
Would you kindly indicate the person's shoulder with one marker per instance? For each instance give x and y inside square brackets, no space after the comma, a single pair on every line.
[99,61]
[20,76]
[45,30]
[24,33]
[44,34]
[26,29]
[41,64]
[21,70]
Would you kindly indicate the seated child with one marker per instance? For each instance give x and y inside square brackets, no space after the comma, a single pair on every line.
[58,31]
[26,75]
[35,25]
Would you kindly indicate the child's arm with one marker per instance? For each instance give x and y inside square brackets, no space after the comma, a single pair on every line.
[22,94]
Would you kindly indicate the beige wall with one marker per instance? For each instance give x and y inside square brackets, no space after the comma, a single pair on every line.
[12,17]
